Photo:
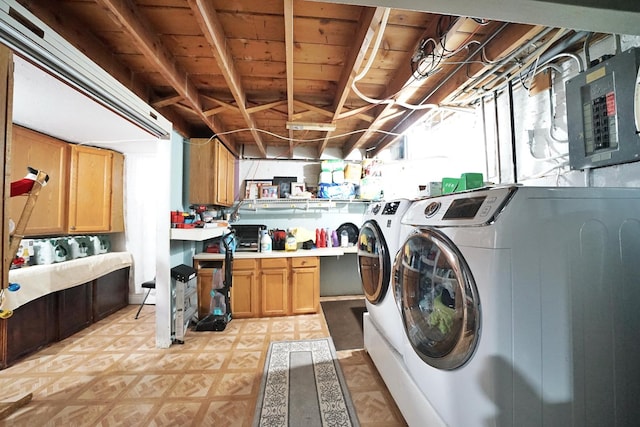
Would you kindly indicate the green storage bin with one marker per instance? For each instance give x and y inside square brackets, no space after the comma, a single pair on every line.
[469,181]
[450,185]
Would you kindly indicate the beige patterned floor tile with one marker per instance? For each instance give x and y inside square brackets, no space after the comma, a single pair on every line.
[171,362]
[151,386]
[358,375]
[229,413]
[255,327]
[63,388]
[112,374]
[251,342]
[127,414]
[193,385]
[373,407]
[236,384]
[177,414]
[209,361]
[107,387]
[77,415]
[246,360]
[223,342]
[98,363]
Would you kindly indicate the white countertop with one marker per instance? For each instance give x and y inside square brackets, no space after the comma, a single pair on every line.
[280,254]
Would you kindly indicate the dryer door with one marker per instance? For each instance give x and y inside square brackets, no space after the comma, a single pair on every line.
[374,264]
[440,306]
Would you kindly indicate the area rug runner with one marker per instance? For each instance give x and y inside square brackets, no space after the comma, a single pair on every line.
[344,320]
[303,385]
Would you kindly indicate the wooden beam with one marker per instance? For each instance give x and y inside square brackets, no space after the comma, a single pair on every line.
[207,17]
[311,107]
[125,13]
[371,21]
[267,106]
[288,43]
[170,100]
[214,111]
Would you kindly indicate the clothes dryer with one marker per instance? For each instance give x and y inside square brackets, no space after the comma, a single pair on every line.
[520,306]
[378,242]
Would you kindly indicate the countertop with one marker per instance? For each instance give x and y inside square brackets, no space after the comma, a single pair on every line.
[280,254]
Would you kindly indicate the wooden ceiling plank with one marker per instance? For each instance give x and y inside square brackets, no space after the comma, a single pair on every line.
[371,21]
[288,42]
[210,25]
[214,111]
[127,16]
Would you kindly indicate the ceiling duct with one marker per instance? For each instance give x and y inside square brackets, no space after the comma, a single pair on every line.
[35,41]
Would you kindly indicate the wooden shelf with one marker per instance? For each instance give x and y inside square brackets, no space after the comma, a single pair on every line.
[197,234]
[302,204]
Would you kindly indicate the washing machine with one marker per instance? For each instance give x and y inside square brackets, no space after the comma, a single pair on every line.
[378,243]
[520,306]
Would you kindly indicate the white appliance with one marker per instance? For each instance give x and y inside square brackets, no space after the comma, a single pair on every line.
[378,243]
[521,306]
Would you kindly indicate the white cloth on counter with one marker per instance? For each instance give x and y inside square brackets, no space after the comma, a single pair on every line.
[40,280]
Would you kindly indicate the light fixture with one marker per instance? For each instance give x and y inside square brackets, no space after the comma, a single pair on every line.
[327,127]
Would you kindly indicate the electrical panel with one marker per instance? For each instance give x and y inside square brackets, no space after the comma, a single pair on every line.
[601,113]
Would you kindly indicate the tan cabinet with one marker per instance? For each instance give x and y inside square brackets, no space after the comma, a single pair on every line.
[29,148]
[245,294]
[117,193]
[274,286]
[90,189]
[211,173]
[206,271]
[305,285]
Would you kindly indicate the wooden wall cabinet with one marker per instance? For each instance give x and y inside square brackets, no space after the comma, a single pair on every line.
[211,173]
[42,152]
[90,189]
[85,192]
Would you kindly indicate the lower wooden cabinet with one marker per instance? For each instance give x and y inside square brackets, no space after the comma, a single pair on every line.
[74,309]
[245,292]
[264,287]
[58,315]
[110,293]
[274,286]
[305,285]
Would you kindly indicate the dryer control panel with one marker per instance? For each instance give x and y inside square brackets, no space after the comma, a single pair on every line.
[461,209]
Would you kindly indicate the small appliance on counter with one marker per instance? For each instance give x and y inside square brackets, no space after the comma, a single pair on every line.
[247,236]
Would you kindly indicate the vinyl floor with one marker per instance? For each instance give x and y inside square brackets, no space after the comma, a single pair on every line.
[112,374]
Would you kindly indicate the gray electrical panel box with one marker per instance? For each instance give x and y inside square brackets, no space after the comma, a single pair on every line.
[600,113]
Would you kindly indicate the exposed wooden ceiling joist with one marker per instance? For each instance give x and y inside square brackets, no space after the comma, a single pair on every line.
[207,18]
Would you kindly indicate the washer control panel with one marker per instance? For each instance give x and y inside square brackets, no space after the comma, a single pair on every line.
[469,208]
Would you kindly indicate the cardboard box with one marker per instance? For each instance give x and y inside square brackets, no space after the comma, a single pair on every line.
[469,181]
[449,185]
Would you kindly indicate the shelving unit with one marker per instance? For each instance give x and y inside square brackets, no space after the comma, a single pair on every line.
[299,204]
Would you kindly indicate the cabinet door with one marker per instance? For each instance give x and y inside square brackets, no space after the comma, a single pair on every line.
[305,285]
[74,309]
[221,158]
[29,148]
[110,293]
[231,178]
[244,292]
[117,193]
[274,284]
[201,185]
[90,190]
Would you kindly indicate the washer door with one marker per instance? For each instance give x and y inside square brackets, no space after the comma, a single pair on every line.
[440,305]
[374,264]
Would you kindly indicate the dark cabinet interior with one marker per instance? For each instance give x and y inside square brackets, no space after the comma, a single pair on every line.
[58,315]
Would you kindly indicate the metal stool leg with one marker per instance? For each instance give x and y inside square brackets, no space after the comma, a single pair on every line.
[143,301]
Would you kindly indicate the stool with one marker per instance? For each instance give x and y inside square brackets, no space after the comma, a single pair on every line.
[151,284]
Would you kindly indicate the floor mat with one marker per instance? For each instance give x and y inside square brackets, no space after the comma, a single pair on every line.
[344,319]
